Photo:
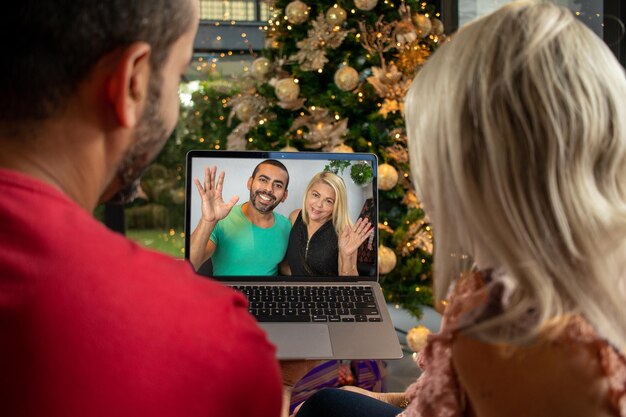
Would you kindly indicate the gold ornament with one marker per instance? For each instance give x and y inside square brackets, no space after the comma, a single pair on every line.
[287,89]
[423,24]
[336,15]
[390,106]
[297,12]
[417,337]
[387,177]
[389,83]
[365,5]
[346,78]
[385,228]
[386,260]
[292,105]
[236,139]
[312,50]
[323,131]
[245,111]
[247,106]
[260,68]
[377,39]
[343,148]
[411,59]
[398,151]
[418,236]
[410,200]
[405,31]
[437,27]
[271,41]
[392,85]
[289,148]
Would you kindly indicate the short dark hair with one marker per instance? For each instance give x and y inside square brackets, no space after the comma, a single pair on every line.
[275,163]
[50,46]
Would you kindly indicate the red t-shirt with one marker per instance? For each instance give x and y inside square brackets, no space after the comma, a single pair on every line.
[91,324]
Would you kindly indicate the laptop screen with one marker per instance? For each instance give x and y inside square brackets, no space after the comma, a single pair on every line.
[237,249]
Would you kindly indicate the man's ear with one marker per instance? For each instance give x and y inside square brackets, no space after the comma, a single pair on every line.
[127,86]
[249,184]
[284,196]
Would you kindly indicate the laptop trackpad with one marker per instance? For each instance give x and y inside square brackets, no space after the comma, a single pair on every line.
[297,341]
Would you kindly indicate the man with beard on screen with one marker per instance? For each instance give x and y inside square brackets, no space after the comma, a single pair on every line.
[91,324]
[248,239]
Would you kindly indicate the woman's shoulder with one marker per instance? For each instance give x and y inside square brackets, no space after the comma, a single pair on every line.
[569,369]
[294,215]
[565,373]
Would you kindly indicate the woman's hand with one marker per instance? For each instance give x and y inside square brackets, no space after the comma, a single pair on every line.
[214,208]
[353,237]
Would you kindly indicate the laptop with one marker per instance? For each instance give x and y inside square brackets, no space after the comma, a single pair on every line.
[305,316]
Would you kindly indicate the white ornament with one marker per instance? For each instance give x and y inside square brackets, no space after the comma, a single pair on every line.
[336,15]
[423,24]
[287,89]
[386,260]
[260,67]
[343,148]
[297,12]
[387,177]
[365,5]
[346,78]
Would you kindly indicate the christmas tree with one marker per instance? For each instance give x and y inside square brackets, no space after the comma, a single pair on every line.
[332,78]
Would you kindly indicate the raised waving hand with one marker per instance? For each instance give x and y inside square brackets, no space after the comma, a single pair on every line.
[353,237]
[214,208]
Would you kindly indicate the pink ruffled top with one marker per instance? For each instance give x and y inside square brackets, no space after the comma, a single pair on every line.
[437,392]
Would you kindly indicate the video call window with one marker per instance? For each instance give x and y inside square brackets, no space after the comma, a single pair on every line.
[361,199]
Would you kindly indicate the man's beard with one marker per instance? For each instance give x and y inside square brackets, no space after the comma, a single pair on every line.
[263,209]
[150,137]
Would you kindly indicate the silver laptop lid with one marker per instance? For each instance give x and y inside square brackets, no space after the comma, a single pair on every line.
[358,171]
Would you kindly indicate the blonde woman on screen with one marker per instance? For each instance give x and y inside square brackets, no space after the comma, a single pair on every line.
[323,241]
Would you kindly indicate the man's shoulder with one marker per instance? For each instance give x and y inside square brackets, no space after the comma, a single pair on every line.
[282,220]
[235,215]
[22,189]
[156,285]
[210,311]
[233,218]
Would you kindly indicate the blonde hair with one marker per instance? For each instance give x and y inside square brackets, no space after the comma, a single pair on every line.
[520,155]
[341,218]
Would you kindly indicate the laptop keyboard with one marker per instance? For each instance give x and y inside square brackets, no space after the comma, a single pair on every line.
[334,303]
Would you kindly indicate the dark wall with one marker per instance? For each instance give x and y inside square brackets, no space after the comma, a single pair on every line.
[449,15]
[614,29]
